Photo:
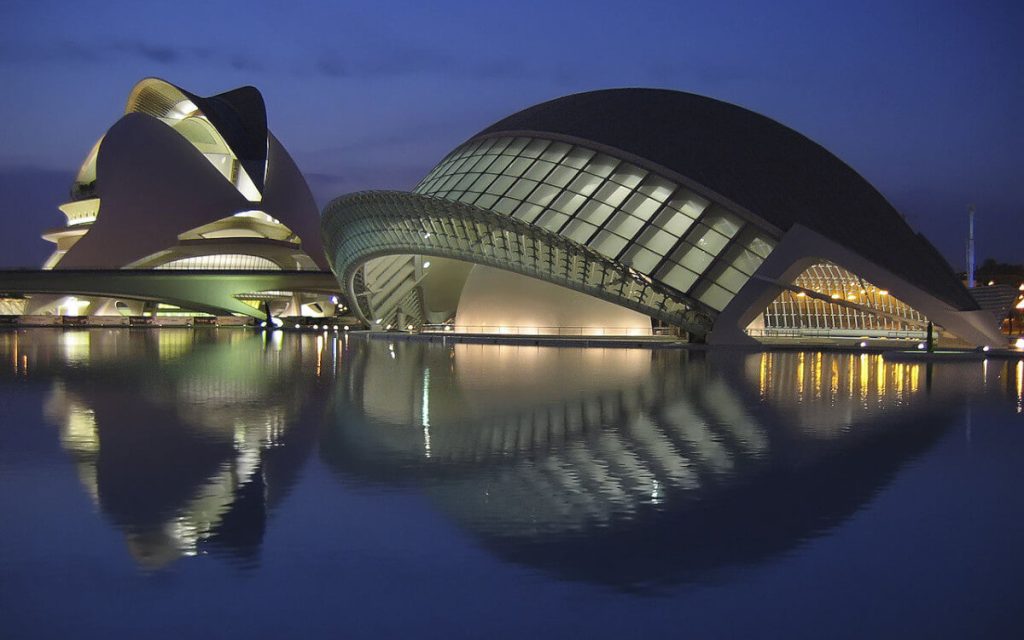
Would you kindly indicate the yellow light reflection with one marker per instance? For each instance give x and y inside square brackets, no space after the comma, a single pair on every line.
[864,374]
[800,377]
[833,386]
[850,375]
[880,373]
[1020,386]
[764,372]
[817,375]
[319,353]
[75,345]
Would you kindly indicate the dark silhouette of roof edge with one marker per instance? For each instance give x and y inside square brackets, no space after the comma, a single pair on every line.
[240,116]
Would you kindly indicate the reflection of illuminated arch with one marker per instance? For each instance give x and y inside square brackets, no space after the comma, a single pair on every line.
[670,464]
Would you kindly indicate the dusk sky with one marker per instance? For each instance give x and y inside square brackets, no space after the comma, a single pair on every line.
[923,99]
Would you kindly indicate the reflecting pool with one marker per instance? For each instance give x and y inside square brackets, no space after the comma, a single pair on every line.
[224,483]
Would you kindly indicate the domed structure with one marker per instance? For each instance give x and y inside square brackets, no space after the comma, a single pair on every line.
[183,182]
[693,213]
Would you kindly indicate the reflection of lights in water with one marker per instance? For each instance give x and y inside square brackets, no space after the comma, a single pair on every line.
[75,346]
[655,492]
[800,378]
[817,375]
[173,343]
[225,404]
[865,379]
[763,375]
[881,377]
[1020,386]
[542,446]
[864,374]
[319,353]
[833,381]
[426,412]
[79,433]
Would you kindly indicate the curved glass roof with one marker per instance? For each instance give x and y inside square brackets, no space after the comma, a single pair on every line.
[760,165]
[363,226]
[630,215]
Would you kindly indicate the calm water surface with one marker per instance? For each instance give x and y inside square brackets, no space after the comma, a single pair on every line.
[219,483]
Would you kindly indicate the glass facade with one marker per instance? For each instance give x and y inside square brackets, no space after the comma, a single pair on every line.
[860,306]
[375,224]
[623,212]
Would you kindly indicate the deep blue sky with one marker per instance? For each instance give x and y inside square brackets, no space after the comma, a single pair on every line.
[922,98]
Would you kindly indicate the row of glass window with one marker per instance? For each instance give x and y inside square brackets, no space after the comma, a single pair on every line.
[830,279]
[795,310]
[235,261]
[504,245]
[791,312]
[614,207]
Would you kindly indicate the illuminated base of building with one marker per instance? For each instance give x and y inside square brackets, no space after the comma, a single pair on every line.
[495,301]
[124,293]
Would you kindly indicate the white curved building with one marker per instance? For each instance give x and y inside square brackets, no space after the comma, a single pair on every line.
[660,208]
[183,182]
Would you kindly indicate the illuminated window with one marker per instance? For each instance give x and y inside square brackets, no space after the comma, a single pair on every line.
[616,208]
[859,307]
[239,262]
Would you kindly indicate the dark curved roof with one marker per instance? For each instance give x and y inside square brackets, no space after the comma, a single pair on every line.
[239,115]
[761,165]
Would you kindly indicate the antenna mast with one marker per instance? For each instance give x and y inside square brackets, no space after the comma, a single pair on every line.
[970,246]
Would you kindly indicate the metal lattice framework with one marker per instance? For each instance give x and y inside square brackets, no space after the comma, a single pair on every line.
[844,300]
[631,215]
[360,227]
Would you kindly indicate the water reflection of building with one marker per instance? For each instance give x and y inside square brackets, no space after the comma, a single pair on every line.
[648,468]
[184,440]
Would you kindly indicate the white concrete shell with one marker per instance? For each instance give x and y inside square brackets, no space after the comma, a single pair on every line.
[709,210]
[154,185]
[186,182]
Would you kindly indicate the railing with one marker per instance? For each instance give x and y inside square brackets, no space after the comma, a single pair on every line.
[836,333]
[544,331]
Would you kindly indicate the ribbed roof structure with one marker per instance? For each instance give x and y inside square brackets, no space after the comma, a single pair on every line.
[753,161]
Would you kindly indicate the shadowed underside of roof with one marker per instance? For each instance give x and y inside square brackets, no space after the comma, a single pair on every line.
[761,165]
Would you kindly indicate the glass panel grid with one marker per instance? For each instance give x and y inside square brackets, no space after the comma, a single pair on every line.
[860,305]
[608,204]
